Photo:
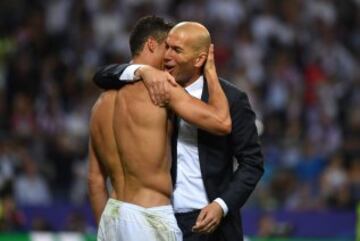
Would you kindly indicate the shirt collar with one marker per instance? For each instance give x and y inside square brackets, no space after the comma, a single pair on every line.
[196,85]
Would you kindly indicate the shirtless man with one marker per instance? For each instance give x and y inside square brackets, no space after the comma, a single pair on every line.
[130,140]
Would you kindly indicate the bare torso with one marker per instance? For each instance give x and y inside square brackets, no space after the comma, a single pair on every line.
[131,137]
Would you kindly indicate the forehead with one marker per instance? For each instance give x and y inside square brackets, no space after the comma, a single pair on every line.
[178,38]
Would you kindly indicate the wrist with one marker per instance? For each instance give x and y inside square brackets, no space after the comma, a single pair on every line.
[211,73]
[223,206]
[138,73]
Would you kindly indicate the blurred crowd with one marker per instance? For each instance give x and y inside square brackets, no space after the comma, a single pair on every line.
[298,61]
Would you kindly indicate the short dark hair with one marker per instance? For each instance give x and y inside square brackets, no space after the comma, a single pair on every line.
[145,27]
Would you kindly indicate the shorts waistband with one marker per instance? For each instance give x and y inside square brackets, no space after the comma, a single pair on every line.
[118,203]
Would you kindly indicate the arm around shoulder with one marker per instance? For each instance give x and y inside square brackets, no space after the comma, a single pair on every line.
[108,77]
[213,116]
[199,113]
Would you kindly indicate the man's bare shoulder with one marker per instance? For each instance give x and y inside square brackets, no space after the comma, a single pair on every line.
[105,98]
[100,109]
[134,96]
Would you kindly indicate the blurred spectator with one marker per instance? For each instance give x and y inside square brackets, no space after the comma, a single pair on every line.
[352,133]
[78,193]
[229,12]
[249,56]
[7,163]
[334,183]
[11,219]
[354,181]
[30,188]
[76,222]
[61,151]
[270,228]
[40,224]
[311,163]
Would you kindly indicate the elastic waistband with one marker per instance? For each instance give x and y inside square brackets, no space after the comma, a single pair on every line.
[118,203]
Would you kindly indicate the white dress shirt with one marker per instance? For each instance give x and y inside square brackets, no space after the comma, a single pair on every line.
[189,193]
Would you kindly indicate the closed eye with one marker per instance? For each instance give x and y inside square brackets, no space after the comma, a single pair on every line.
[178,49]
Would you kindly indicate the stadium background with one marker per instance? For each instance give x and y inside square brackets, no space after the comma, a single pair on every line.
[298,60]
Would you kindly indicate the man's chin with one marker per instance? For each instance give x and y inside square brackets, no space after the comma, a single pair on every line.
[180,81]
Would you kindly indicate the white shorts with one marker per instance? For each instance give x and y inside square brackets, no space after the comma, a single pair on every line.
[122,221]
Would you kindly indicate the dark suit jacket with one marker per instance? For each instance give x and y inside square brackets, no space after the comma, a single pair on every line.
[216,153]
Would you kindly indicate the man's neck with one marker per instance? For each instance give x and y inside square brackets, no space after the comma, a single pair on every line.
[194,78]
[141,60]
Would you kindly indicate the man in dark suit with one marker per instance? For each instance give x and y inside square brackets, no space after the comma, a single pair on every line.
[208,192]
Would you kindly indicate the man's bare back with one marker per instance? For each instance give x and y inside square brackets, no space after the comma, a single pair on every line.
[130,136]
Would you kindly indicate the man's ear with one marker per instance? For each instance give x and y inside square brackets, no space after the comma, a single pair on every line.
[151,44]
[200,60]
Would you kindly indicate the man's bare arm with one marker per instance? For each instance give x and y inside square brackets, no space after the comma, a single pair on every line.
[98,193]
[111,77]
[213,116]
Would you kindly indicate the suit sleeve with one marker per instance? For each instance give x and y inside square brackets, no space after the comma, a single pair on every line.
[108,77]
[247,151]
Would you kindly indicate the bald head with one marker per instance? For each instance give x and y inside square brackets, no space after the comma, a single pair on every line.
[197,35]
[187,51]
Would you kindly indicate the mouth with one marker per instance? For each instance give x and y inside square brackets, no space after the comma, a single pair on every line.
[169,68]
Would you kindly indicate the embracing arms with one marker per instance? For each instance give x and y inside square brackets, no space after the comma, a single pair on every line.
[213,116]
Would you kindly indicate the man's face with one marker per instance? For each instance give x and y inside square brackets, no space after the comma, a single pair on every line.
[179,57]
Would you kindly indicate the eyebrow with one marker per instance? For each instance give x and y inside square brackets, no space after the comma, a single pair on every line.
[176,47]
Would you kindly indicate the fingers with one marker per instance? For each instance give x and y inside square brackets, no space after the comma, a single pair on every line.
[159,93]
[210,58]
[200,226]
[166,93]
[152,96]
[172,80]
[199,221]
[203,222]
[210,225]
[212,228]
[208,219]
[207,225]
[211,51]
[201,217]
[156,82]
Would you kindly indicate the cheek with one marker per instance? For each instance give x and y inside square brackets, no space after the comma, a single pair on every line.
[163,53]
[185,67]
[180,62]
[183,71]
